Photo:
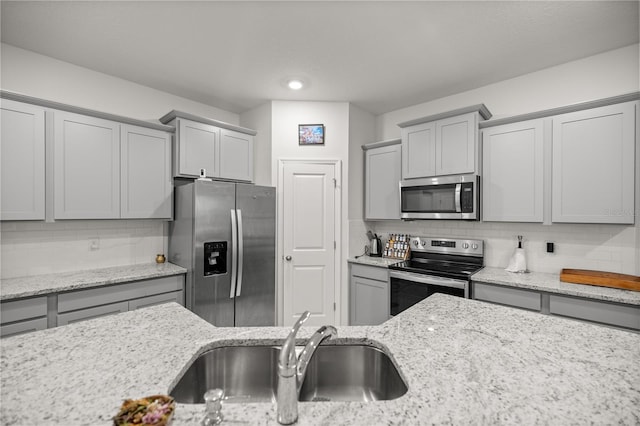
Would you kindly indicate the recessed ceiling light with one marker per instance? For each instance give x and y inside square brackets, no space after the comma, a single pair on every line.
[295,84]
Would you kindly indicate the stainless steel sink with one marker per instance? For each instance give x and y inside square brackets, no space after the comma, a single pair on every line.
[351,373]
[245,373]
[249,374]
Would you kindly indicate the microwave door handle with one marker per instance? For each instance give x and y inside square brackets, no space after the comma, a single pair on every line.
[457,197]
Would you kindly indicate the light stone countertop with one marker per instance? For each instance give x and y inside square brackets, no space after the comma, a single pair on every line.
[551,283]
[39,285]
[382,262]
[464,361]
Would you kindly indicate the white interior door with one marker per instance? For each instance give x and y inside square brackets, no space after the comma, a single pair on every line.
[309,242]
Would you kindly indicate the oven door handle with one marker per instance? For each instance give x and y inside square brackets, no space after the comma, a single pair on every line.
[429,279]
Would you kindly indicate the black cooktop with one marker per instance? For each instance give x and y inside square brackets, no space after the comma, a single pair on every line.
[450,266]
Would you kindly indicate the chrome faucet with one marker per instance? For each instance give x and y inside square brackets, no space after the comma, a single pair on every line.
[291,370]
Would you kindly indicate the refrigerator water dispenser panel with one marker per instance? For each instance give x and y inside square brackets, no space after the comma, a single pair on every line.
[215,258]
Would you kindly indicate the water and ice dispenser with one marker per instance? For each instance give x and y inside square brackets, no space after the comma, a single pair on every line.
[215,258]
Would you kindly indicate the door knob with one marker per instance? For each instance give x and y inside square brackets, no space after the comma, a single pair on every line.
[288,258]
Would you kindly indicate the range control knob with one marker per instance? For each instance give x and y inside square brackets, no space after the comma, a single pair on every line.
[465,245]
[474,246]
[415,243]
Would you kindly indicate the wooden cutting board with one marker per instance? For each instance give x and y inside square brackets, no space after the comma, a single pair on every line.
[604,279]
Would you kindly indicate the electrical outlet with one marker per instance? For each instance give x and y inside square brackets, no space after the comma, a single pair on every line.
[94,244]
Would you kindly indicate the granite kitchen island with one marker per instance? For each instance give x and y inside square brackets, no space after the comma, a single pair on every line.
[464,361]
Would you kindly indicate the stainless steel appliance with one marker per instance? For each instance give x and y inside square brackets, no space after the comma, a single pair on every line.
[224,234]
[443,197]
[375,246]
[436,265]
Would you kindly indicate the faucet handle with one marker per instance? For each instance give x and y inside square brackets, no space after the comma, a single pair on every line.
[288,353]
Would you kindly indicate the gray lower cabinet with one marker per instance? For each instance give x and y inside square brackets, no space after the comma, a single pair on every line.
[39,313]
[92,303]
[22,316]
[594,310]
[519,298]
[368,295]
[598,311]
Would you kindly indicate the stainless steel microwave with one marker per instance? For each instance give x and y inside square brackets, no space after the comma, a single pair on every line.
[441,197]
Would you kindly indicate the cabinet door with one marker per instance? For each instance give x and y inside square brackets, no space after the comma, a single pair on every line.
[513,172]
[22,327]
[418,151]
[22,161]
[618,315]
[197,148]
[159,299]
[509,296]
[86,314]
[456,145]
[86,167]
[145,165]
[369,301]
[593,165]
[236,156]
[382,180]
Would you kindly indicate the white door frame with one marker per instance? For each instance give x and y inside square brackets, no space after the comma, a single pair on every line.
[337,164]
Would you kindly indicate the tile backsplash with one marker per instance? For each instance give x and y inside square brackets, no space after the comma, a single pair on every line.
[35,248]
[582,246]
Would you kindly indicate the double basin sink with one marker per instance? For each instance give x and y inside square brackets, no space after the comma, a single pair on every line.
[250,374]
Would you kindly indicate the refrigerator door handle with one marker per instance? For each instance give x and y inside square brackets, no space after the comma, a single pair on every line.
[234,254]
[240,252]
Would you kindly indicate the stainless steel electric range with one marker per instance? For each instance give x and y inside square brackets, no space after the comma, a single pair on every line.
[436,265]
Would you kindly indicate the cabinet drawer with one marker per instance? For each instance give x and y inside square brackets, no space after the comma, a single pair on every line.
[597,311]
[117,293]
[177,296]
[21,327]
[85,314]
[371,272]
[519,298]
[23,309]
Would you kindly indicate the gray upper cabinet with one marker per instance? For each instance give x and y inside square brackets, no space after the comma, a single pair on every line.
[382,179]
[86,167]
[419,151]
[236,155]
[22,154]
[196,149]
[224,150]
[513,172]
[456,142]
[65,162]
[145,181]
[442,144]
[593,165]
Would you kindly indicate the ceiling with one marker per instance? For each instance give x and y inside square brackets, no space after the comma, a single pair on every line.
[380,56]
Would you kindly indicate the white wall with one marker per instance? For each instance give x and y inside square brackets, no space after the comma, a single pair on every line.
[41,76]
[259,119]
[32,248]
[602,247]
[611,73]
[361,132]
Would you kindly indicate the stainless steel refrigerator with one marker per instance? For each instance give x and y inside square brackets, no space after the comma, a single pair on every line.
[224,234]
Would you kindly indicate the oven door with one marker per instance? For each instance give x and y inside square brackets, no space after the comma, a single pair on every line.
[408,288]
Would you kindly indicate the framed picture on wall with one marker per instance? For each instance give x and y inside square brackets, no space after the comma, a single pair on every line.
[311,134]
